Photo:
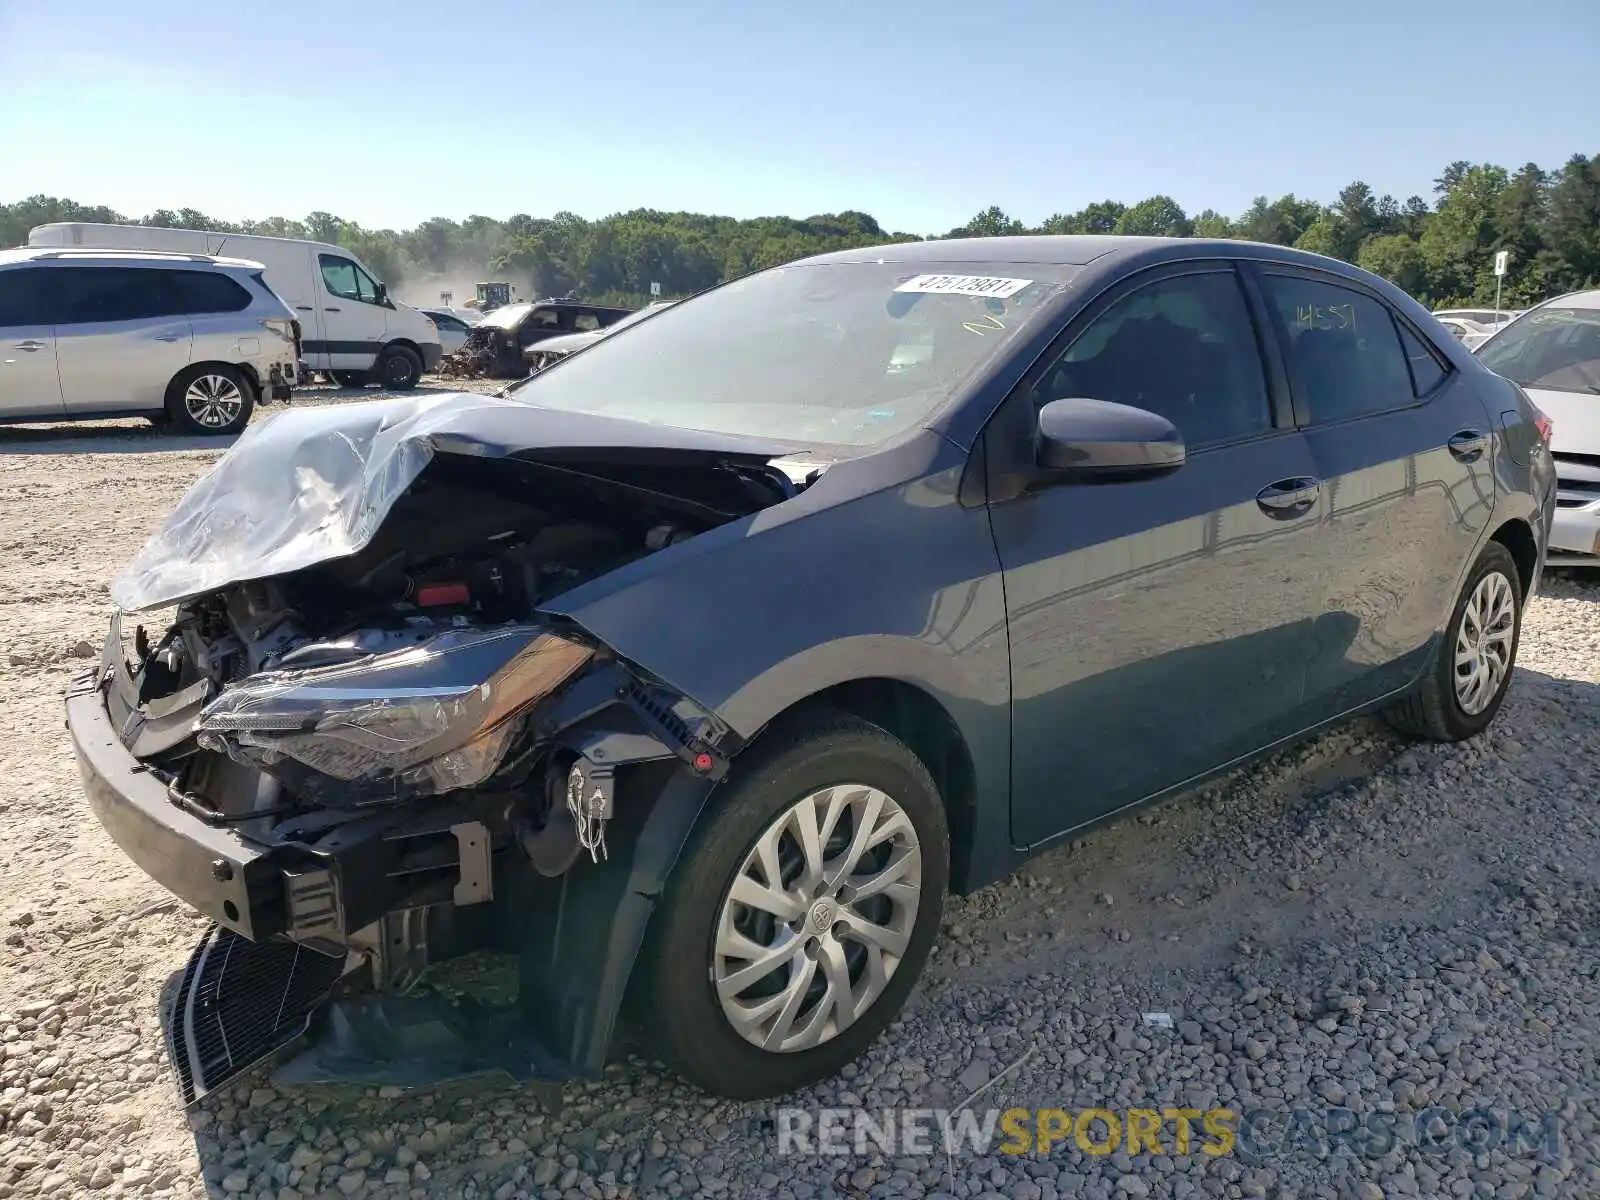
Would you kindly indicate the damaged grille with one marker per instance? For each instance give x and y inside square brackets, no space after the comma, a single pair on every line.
[237,1002]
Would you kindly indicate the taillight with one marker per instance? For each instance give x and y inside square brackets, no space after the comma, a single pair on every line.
[1544,425]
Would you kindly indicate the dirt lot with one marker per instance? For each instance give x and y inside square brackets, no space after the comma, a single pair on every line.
[1358,924]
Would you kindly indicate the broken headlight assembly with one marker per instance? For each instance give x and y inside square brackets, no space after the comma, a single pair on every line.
[429,718]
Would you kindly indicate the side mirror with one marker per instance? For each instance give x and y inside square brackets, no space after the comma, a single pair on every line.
[1096,441]
[383,295]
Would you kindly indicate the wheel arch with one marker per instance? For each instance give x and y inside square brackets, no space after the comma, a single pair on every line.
[917,719]
[404,343]
[1516,535]
[245,369]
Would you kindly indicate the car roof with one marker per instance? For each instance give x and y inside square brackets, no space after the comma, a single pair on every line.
[1589,299]
[103,257]
[1075,250]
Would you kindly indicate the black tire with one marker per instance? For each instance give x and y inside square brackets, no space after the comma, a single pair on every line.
[350,379]
[676,1002]
[210,399]
[398,369]
[1433,709]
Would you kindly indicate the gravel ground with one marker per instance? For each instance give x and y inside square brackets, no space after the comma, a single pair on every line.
[1360,923]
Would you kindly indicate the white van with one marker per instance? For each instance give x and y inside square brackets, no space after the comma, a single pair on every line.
[352,329]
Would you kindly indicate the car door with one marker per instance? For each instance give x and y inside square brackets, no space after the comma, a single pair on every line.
[355,320]
[120,338]
[29,384]
[543,323]
[1158,628]
[1402,449]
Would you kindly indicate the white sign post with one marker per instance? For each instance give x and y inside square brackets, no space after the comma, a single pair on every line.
[1501,259]
[655,288]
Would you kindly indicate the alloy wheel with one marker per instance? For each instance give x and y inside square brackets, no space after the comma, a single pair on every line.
[1484,642]
[213,401]
[817,918]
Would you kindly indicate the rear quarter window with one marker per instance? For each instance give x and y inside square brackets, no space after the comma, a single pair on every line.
[208,292]
[1427,372]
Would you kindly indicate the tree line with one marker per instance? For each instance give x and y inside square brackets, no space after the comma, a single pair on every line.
[1441,251]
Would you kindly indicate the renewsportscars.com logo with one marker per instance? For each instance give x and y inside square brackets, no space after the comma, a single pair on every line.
[1253,1134]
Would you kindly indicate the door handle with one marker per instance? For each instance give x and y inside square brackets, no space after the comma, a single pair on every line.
[31,345]
[165,337]
[331,308]
[1289,498]
[302,308]
[1468,444]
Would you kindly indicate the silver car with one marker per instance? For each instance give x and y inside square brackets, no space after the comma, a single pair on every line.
[1553,353]
[186,339]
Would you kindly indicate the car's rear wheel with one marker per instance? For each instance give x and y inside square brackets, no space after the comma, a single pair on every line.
[351,379]
[210,399]
[801,913]
[1464,689]
[398,368]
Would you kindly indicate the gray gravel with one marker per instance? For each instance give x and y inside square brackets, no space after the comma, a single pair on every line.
[1360,923]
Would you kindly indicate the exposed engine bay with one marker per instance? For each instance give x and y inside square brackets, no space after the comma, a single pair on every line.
[457,571]
[359,757]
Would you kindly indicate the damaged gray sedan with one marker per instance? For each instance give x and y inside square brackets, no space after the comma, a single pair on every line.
[696,670]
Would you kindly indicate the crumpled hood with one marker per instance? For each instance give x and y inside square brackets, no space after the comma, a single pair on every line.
[310,485]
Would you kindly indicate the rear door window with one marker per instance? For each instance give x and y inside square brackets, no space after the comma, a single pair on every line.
[88,295]
[1343,349]
[585,322]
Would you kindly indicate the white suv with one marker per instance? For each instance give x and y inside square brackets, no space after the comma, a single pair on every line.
[188,339]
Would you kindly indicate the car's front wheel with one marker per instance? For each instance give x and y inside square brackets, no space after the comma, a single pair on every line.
[801,913]
[1463,690]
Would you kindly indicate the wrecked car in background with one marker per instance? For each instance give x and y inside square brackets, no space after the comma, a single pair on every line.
[693,673]
[552,350]
[495,346]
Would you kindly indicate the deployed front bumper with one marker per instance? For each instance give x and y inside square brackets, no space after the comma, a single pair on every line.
[318,879]
[216,870]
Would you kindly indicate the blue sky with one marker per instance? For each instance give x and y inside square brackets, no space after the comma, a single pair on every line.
[921,112]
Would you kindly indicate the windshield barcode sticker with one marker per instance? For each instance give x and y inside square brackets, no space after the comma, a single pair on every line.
[965,285]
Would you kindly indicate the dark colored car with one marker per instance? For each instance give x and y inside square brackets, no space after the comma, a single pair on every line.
[695,672]
[504,335]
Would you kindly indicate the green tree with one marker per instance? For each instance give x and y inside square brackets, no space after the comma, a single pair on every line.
[1573,231]
[1159,216]
[991,222]
[1549,221]
[1458,242]
[1282,221]
[1398,259]
[1212,224]
[1324,237]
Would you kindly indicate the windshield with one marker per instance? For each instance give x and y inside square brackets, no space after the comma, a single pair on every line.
[846,354]
[507,316]
[1554,348]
